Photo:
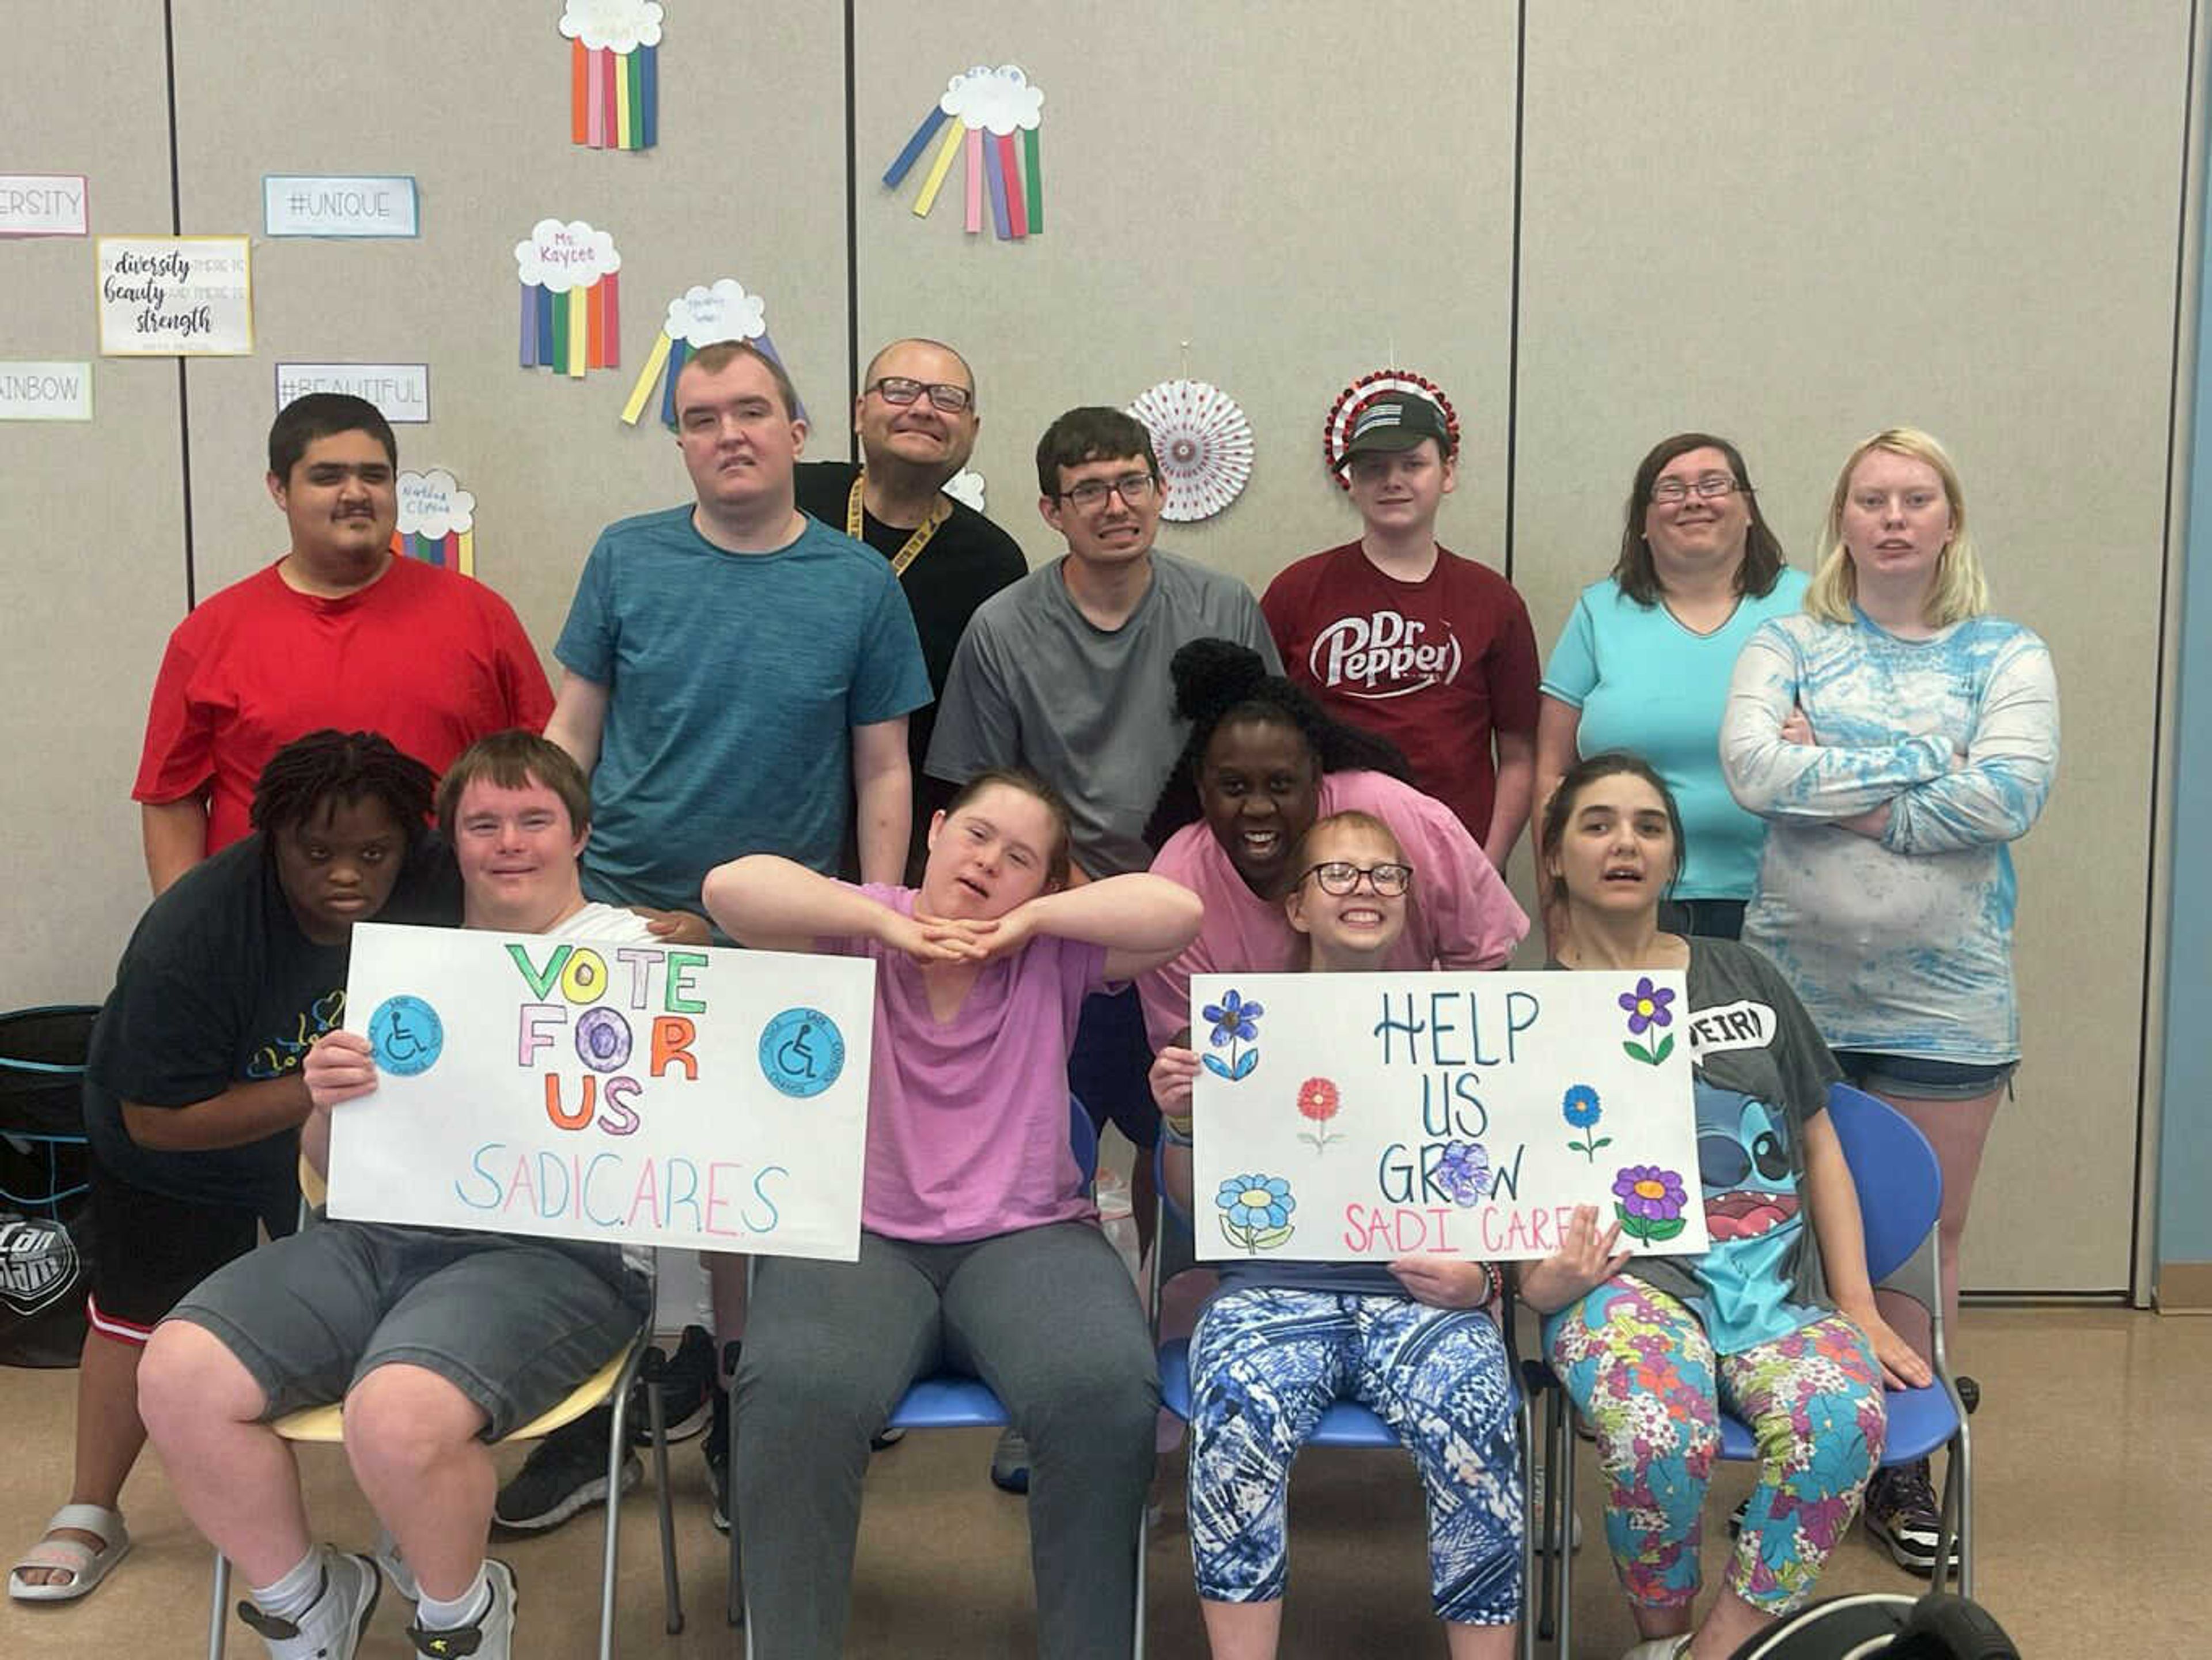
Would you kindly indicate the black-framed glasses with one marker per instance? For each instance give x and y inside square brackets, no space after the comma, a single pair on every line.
[1134,488]
[1673,492]
[1341,876]
[897,389]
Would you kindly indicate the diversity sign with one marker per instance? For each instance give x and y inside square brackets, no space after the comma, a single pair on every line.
[647,1094]
[1348,1117]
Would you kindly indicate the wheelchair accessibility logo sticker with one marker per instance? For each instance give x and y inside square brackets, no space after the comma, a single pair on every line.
[405,1035]
[802,1052]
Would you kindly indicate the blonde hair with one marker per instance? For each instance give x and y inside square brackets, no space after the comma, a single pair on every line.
[1960,590]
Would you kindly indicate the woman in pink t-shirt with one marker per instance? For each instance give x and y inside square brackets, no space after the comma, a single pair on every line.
[980,1251]
[1263,764]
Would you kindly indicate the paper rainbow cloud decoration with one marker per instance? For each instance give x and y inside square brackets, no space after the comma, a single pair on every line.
[1336,430]
[614,73]
[981,111]
[700,317]
[966,485]
[437,521]
[571,321]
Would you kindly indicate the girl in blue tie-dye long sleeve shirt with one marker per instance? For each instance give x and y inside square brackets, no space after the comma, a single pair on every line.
[1896,738]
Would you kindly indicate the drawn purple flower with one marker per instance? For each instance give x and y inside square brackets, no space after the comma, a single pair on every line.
[1647,1006]
[1648,1200]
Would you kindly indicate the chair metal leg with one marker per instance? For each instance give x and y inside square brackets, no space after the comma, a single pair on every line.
[737,1588]
[617,1437]
[656,1413]
[1143,1540]
[1565,1484]
[1544,1607]
[1525,1418]
[219,1609]
[1959,1501]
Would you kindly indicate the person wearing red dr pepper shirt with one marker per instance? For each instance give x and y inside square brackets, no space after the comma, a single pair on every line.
[339,632]
[1408,640]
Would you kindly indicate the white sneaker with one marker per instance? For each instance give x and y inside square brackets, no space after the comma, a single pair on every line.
[332,1629]
[1547,1542]
[492,1637]
[1659,1648]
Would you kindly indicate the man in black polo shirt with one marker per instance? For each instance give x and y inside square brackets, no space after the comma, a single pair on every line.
[917,422]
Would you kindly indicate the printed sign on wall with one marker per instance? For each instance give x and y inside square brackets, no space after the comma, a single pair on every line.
[301,204]
[175,296]
[44,205]
[644,1094]
[46,392]
[401,392]
[1344,1117]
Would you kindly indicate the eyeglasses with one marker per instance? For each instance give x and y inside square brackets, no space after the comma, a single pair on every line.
[1341,876]
[897,389]
[1134,488]
[1673,492]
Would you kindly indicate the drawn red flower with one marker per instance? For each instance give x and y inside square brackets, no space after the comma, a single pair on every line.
[1318,1100]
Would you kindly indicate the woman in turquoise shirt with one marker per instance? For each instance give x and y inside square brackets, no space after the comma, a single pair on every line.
[1643,662]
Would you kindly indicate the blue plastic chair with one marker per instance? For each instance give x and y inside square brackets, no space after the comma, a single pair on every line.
[954,1400]
[1900,1193]
[1345,1423]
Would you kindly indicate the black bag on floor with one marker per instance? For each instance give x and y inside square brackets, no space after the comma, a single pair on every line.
[45,1241]
[1879,1626]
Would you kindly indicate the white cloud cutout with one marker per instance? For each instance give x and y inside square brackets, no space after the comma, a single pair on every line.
[562,256]
[999,98]
[966,485]
[433,503]
[624,25]
[701,316]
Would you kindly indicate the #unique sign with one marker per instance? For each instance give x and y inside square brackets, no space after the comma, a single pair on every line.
[644,1094]
[351,204]
[1344,1117]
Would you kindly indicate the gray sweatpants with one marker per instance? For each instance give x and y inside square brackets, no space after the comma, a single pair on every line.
[1046,1317]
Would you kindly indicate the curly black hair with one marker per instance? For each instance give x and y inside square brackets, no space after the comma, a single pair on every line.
[331,766]
[1218,681]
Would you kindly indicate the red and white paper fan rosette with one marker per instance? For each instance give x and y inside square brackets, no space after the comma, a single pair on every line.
[1336,431]
[1204,443]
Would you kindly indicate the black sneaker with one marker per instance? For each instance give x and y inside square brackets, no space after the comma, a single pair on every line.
[687,1385]
[565,1473]
[716,1447]
[1903,1516]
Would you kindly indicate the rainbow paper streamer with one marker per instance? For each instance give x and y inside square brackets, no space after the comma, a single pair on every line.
[977,122]
[613,97]
[666,360]
[575,332]
[455,550]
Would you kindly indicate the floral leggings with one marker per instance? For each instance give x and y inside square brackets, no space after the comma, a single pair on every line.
[1266,1364]
[1639,1363]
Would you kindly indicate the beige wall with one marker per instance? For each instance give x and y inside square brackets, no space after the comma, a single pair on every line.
[1789,224]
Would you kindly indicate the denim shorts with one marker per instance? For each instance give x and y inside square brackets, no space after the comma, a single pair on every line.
[1916,1079]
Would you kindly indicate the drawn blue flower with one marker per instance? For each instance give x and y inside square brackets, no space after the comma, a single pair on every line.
[1463,1172]
[1256,1201]
[1580,1106]
[1232,1019]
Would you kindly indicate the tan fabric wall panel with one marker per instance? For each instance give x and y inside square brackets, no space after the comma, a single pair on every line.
[92,515]
[747,181]
[1211,176]
[1794,226]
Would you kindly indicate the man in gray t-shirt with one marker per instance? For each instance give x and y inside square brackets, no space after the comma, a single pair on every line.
[1066,672]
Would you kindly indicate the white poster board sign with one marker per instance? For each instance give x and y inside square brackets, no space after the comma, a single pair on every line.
[644,1094]
[1352,1117]
[348,205]
[401,392]
[181,296]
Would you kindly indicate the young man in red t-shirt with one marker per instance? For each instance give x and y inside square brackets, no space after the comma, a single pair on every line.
[1406,638]
[339,632]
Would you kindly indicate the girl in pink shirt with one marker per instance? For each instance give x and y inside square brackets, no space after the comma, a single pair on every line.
[978,1251]
[1263,764]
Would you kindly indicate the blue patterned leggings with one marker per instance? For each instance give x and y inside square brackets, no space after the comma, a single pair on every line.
[1264,1366]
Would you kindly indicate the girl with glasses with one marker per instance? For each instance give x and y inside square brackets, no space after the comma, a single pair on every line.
[1642,663]
[1417,1340]
[1776,1321]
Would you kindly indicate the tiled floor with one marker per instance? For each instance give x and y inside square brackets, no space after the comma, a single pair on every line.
[2095,1505]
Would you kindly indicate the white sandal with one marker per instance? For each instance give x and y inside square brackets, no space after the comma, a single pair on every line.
[86,1566]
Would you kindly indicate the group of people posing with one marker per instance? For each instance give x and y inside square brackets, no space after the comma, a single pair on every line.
[824,708]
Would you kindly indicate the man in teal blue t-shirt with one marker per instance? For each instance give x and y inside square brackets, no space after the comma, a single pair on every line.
[737,676]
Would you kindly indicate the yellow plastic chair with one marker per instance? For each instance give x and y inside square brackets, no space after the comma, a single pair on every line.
[609,1385]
